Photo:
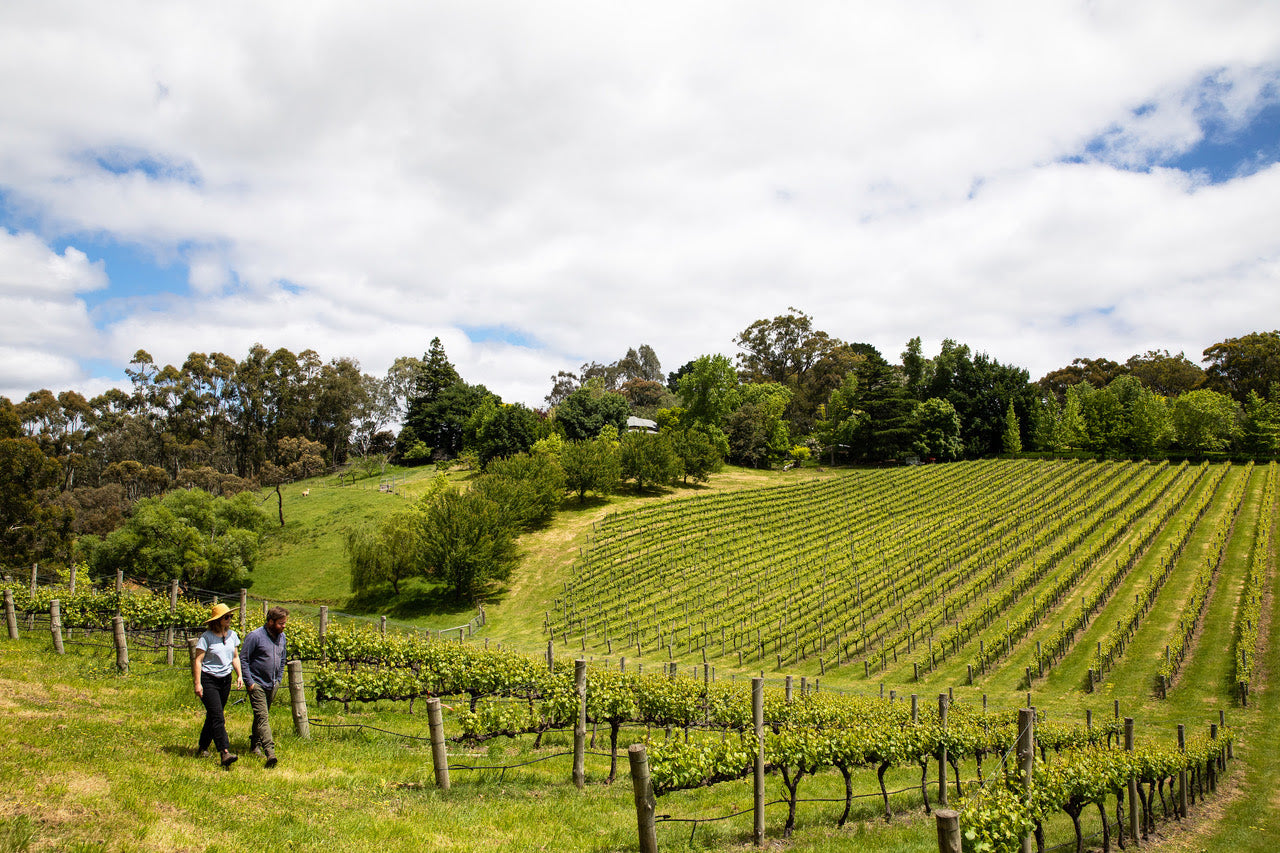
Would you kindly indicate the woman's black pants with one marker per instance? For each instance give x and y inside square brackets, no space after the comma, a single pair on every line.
[217,690]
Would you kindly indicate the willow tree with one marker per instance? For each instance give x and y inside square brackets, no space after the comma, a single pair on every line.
[388,552]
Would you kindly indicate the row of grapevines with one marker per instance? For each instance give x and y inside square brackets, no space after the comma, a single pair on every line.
[1260,563]
[1123,510]
[1113,645]
[1154,522]
[96,608]
[1036,548]
[996,817]
[1202,583]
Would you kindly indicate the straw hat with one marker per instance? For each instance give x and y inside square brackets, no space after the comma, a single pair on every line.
[218,611]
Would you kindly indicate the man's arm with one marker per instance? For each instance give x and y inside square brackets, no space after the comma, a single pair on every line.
[246,659]
[284,656]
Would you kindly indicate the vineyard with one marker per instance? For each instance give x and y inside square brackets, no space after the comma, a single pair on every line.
[863,644]
[891,575]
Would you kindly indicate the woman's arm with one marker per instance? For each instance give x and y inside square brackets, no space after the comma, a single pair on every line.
[235,664]
[195,672]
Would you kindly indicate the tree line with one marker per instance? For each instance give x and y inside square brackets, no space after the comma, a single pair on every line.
[71,466]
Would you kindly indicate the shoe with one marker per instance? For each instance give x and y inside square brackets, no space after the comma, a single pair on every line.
[271,761]
[202,753]
[229,758]
[257,750]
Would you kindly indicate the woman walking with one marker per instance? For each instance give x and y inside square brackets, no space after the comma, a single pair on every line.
[215,659]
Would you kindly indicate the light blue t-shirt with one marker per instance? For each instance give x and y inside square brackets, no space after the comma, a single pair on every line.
[219,652]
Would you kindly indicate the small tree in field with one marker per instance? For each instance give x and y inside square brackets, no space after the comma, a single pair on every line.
[649,459]
[188,534]
[591,466]
[701,452]
[467,542]
[299,458]
[528,487]
[1012,431]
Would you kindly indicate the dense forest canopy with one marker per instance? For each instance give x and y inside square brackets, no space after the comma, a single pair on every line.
[71,466]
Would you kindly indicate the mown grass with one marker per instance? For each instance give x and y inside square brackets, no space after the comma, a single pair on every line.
[98,761]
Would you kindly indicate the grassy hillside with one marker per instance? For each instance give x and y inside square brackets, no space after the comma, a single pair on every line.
[102,762]
[304,562]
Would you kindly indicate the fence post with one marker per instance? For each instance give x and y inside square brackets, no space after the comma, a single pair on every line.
[1182,773]
[298,701]
[122,646]
[71,581]
[439,757]
[551,655]
[757,718]
[942,751]
[191,648]
[10,614]
[580,724]
[244,605]
[948,830]
[1027,762]
[55,625]
[324,627]
[1213,762]
[1133,784]
[382,625]
[31,611]
[173,610]
[646,804]
[168,645]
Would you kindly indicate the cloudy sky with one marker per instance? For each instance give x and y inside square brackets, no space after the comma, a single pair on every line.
[543,184]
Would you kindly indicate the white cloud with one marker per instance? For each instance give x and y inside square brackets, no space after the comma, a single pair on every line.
[596,176]
[44,325]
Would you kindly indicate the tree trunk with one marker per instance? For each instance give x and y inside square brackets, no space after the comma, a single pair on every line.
[1075,821]
[888,815]
[614,725]
[848,794]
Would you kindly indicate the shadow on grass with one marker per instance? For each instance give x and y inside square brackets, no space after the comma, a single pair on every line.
[416,598]
[574,504]
[691,487]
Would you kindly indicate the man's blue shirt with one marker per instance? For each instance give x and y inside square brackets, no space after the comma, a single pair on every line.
[262,657]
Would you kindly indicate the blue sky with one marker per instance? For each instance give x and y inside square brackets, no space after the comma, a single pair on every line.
[546,185]
[1228,152]
[1227,135]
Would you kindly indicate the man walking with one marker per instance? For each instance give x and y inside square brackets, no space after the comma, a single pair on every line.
[262,659]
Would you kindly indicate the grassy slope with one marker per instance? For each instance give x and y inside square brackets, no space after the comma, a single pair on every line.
[114,778]
[305,563]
